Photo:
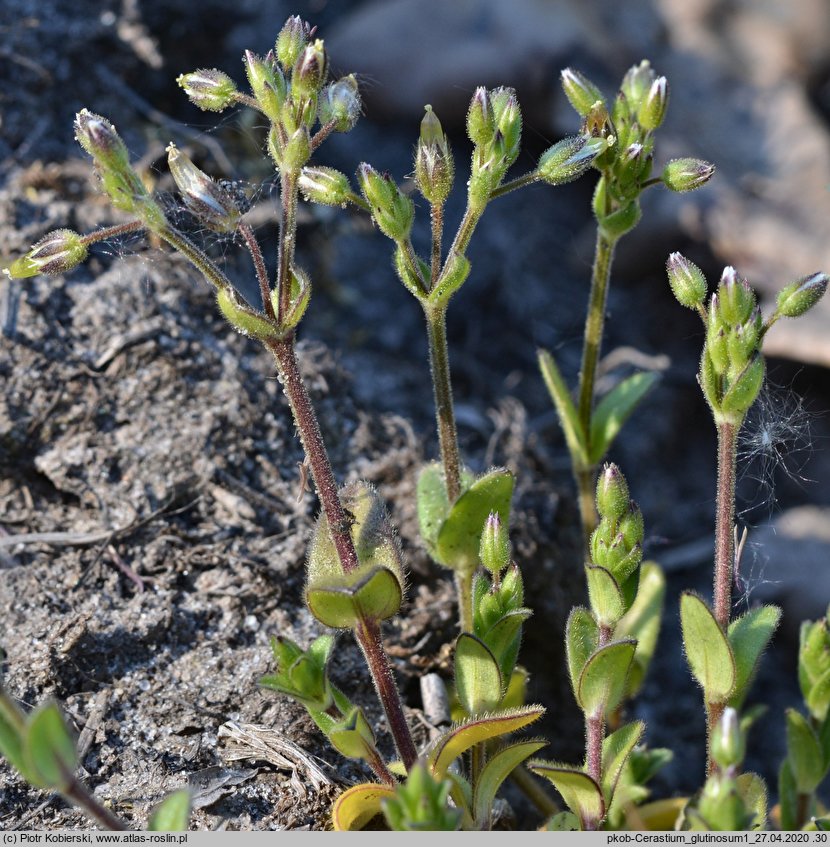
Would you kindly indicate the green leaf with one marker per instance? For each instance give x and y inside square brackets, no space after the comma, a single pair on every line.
[504,638]
[354,808]
[707,649]
[749,636]
[581,639]
[459,537]
[11,739]
[49,751]
[642,622]
[455,274]
[478,680]
[615,409]
[498,768]
[575,437]
[172,814]
[607,602]
[375,588]
[753,790]
[818,698]
[787,796]
[616,749]
[433,505]
[376,596]
[581,794]
[804,753]
[602,681]
[563,822]
[457,740]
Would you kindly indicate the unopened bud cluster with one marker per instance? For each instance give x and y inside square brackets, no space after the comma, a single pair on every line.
[628,129]
[616,547]
[422,804]
[288,85]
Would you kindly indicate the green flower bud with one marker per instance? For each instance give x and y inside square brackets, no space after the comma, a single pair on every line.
[211,204]
[242,317]
[631,527]
[98,137]
[687,281]
[508,118]
[800,296]
[309,71]
[56,253]
[612,493]
[653,107]
[209,89]
[267,84]
[481,121]
[326,186]
[495,545]
[297,151]
[569,159]
[580,91]
[291,41]
[728,745]
[392,211]
[736,300]
[636,85]
[434,166]
[686,174]
[302,674]
[112,163]
[340,104]
[744,389]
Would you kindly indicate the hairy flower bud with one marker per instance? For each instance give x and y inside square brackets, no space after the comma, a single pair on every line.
[326,186]
[392,211]
[612,493]
[340,104]
[291,41]
[728,745]
[296,151]
[580,91]
[209,89]
[267,84]
[653,108]
[207,201]
[687,281]
[636,85]
[56,253]
[98,137]
[309,72]
[568,159]
[686,174]
[481,121]
[495,545]
[434,166]
[800,296]
[508,117]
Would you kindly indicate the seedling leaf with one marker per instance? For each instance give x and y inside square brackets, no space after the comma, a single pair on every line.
[581,794]
[616,749]
[805,754]
[49,751]
[581,637]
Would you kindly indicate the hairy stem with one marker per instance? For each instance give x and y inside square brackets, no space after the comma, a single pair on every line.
[513,184]
[366,632]
[200,260]
[288,238]
[724,523]
[437,219]
[112,231]
[594,322]
[255,250]
[465,230]
[595,733]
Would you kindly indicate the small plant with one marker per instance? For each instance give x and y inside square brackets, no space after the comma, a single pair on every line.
[356,575]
